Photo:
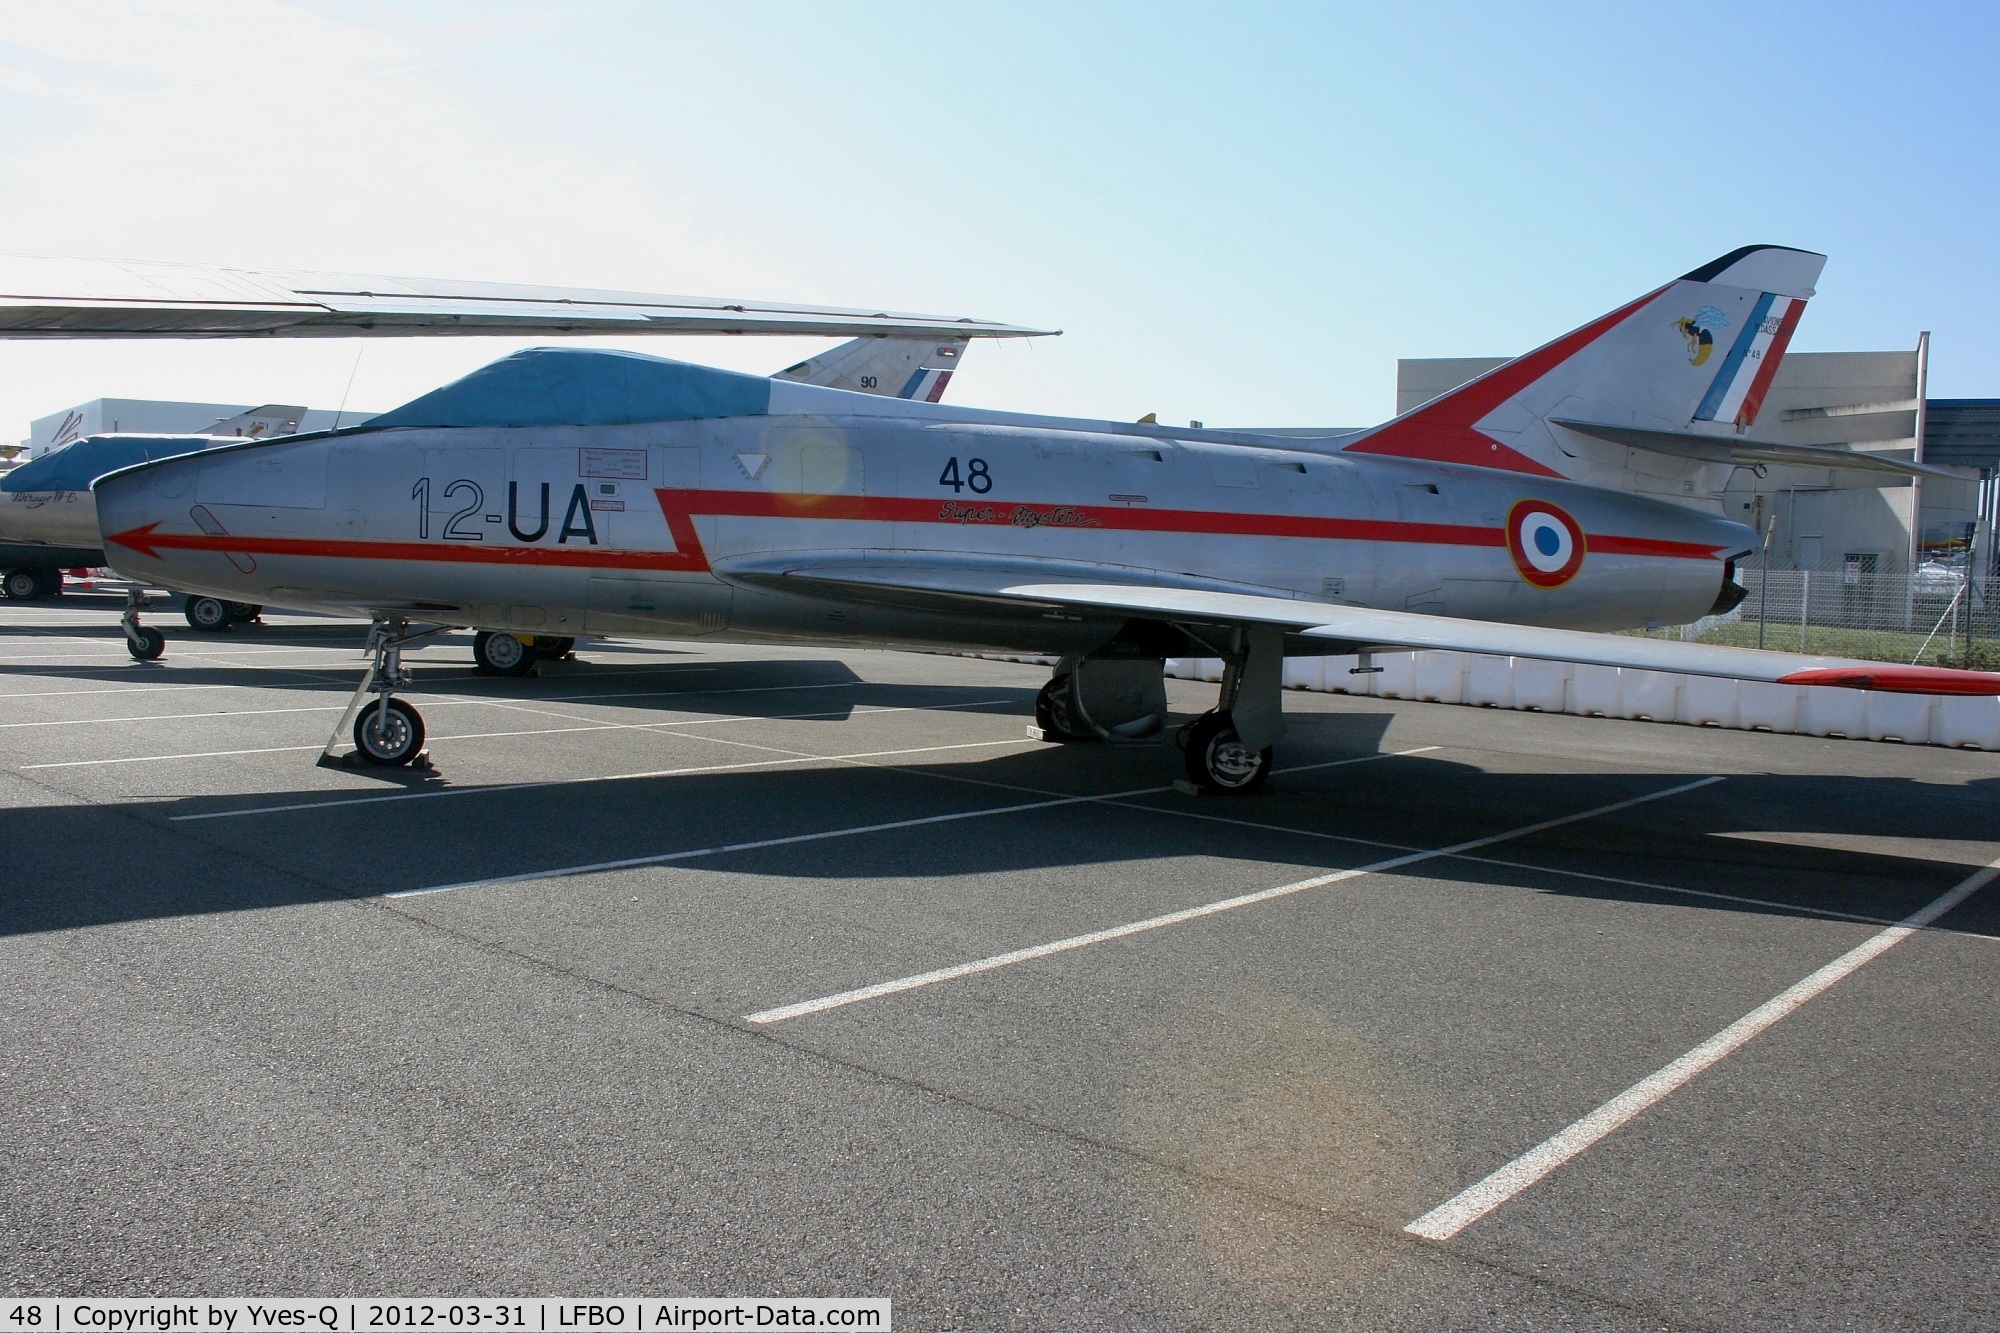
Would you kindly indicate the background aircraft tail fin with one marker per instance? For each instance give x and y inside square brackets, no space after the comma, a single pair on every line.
[917,368]
[1692,359]
[260,422]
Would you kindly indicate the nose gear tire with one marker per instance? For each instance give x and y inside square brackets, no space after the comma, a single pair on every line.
[398,739]
[150,645]
[1218,760]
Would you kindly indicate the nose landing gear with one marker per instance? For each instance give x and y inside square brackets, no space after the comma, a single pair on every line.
[387,732]
[145,643]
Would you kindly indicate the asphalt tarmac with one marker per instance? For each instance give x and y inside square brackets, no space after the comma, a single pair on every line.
[710,970]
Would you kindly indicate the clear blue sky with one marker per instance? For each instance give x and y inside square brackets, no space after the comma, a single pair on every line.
[1241,213]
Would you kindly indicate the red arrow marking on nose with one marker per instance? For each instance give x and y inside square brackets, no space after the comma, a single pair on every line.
[150,543]
[138,539]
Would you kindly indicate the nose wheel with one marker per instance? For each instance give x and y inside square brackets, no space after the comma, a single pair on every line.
[145,643]
[388,733]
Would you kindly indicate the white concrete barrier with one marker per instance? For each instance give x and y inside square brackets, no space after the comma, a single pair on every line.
[1661,696]
[1489,681]
[1543,687]
[1829,711]
[1707,701]
[1439,677]
[1969,721]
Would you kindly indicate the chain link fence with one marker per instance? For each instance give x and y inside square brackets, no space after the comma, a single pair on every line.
[1941,617]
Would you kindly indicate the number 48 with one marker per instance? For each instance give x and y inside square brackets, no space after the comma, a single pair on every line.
[976,476]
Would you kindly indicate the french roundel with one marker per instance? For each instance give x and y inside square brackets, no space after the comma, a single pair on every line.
[1546,543]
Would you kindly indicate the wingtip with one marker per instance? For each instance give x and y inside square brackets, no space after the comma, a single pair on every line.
[1891,679]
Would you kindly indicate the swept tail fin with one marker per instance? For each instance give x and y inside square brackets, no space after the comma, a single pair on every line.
[916,368]
[1694,358]
[260,422]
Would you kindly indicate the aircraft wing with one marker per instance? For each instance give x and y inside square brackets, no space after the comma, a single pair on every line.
[1344,629]
[43,297]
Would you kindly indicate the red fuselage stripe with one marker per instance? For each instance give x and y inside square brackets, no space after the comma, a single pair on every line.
[682,506]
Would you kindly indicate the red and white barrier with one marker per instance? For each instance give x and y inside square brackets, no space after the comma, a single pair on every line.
[1529,684]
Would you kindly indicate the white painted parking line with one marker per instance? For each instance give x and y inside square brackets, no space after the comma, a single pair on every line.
[170,717]
[758,844]
[159,758]
[1462,1210]
[1677,891]
[1011,957]
[537,731]
[122,689]
[578,782]
[1519,865]
[181,651]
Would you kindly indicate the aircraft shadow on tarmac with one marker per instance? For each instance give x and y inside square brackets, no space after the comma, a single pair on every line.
[624,676]
[68,867]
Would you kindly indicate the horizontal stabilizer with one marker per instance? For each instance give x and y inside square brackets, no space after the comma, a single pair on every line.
[1734,449]
[42,297]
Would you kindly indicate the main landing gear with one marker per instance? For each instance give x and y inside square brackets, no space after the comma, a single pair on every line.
[27,585]
[387,732]
[1123,699]
[496,653]
[1216,757]
[212,615]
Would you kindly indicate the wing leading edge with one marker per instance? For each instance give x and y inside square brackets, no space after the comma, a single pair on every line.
[45,297]
[1345,629]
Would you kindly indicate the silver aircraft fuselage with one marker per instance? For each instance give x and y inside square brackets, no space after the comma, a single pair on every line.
[680,529]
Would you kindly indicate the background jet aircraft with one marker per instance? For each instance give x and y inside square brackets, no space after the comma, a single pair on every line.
[48,517]
[563,491]
[47,520]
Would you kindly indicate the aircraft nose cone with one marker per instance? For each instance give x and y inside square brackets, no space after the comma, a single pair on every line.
[153,528]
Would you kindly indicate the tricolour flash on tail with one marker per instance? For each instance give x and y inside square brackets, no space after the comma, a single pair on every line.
[1737,393]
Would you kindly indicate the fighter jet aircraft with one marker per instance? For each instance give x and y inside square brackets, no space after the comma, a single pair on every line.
[48,517]
[560,491]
